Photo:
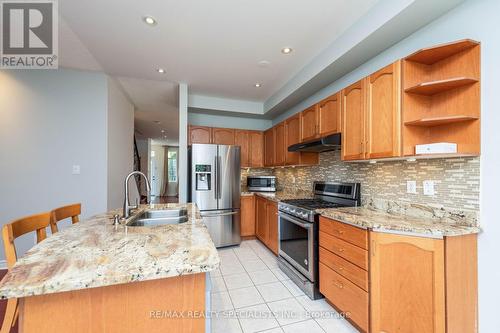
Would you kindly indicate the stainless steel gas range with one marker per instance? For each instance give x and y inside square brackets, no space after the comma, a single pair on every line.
[299,228]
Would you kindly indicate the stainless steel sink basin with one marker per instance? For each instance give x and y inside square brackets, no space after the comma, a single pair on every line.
[159,217]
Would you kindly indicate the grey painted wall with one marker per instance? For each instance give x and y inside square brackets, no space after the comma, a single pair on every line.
[51,120]
[228,121]
[120,145]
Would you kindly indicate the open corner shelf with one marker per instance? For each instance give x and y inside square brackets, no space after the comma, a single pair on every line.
[439,86]
[429,56]
[437,121]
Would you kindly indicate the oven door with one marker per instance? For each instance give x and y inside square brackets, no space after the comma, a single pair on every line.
[296,244]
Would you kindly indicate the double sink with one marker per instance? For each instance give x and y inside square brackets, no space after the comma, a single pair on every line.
[159,217]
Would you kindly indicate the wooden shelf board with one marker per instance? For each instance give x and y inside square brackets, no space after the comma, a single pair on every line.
[431,55]
[436,87]
[437,121]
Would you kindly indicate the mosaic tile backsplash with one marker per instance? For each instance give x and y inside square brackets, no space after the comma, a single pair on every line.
[383,185]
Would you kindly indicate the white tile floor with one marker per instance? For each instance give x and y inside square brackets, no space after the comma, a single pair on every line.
[251,294]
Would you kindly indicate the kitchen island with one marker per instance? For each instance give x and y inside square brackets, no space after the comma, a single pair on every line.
[96,277]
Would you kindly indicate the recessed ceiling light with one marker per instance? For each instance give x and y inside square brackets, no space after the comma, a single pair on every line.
[258,85]
[161,70]
[264,63]
[163,131]
[149,20]
[286,50]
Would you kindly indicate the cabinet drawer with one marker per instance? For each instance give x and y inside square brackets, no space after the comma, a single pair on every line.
[345,295]
[343,267]
[352,253]
[353,235]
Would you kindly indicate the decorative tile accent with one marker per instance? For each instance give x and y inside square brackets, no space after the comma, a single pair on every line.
[383,185]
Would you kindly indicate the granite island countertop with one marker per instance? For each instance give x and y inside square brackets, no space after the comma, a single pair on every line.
[94,253]
[377,220]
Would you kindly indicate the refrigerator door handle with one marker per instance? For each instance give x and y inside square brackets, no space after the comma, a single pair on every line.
[216,180]
[219,184]
[219,214]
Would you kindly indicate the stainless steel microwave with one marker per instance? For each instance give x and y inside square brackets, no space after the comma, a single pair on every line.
[261,183]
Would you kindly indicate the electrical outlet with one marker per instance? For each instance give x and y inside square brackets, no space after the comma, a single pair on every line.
[429,187]
[76,170]
[411,187]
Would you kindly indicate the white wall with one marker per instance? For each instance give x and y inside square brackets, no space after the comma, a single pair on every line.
[120,145]
[49,121]
[475,19]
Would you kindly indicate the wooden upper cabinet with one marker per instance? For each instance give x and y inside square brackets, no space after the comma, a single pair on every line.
[353,120]
[280,142]
[223,136]
[269,147]
[256,157]
[383,114]
[292,136]
[309,123]
[242,139]
[329,115]
[200,134]
[407,284]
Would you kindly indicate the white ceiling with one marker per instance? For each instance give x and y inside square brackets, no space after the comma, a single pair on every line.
[214,46]
[155,101]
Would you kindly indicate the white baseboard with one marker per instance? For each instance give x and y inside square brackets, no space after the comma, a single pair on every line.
[3,264]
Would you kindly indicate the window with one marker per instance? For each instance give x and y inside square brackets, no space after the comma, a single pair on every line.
[172,166]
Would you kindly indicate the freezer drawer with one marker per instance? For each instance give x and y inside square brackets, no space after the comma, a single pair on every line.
[223,226]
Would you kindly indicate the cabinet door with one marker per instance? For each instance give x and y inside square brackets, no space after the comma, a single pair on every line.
[269,147]
[279,139]
[272,220]
[262,227]
[256,156]
[199,134]
[383,118]
[247,216]
[223,136]
[329,115]
[292,136]
[309,123]
[407,284]
[353,118]
[241,138]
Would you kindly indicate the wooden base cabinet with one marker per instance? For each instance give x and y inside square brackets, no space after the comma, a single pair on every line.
[407,284]
[422,284]
[389,283]
[266,215]
[247,216]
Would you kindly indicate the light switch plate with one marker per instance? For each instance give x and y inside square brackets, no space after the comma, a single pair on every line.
[429,187]
[76,170]
[411,187]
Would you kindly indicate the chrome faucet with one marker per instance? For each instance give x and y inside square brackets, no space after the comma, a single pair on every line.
[126,203]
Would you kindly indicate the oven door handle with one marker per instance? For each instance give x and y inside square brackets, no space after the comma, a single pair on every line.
[296,221]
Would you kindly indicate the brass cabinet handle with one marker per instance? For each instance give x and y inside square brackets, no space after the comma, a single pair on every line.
[341,268]
[341,232]
[341,249]
[338,285]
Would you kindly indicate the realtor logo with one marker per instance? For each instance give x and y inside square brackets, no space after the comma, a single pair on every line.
[28,34]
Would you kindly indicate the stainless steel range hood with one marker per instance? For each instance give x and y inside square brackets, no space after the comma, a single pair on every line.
[327,143]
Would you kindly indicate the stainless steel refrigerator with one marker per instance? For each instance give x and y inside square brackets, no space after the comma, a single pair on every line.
[215,187]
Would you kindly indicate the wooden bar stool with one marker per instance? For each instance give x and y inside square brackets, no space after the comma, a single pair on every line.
[10,232]
[63,213]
